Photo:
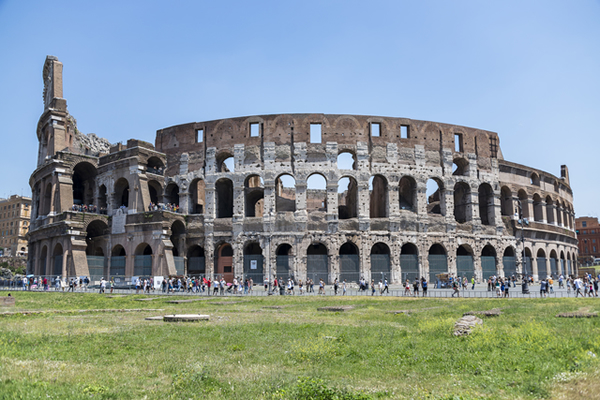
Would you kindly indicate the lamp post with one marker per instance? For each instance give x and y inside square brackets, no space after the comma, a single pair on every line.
[522,222]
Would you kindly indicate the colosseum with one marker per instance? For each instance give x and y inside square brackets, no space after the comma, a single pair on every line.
[303,195]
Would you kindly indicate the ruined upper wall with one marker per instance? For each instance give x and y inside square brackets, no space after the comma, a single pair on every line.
[345,130]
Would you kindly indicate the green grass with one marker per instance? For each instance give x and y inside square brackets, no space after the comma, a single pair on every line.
[296,352]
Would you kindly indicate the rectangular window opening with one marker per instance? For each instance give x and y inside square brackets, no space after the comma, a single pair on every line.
[375,129]
[315,133]
[458,143]
[199,135]
[404,132]
[254,129]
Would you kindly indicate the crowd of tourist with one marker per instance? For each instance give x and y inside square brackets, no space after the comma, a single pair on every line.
[163,207]
[91,208]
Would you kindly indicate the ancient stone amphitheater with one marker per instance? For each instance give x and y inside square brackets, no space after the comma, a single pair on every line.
[305,195]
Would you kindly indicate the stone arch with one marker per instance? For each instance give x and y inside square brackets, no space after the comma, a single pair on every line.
[346,159]
[118,251]
[121,193]
[177,237]
[43,263]
[538,213]
[407,193]
[524,199]
[506,201]
[253,261]
[462,202]
[549,210]
[534,179]
[435,196]
[224,198]
[486,204]
[409,261]
[284,260]
[509,262]
[438,264]
[198,196]
[378,187]
[224,261]
[349,262]
[316,193]
[143,249]
[95,237]
[155,191]
[317,262]
[155,165]
[254,194]
[225,162]
[102,199]
[57,260]
[465,266]
[47,199]
[488,261]
[460,166]
[84,183]
[285,193]
[347,198]
[172,194]
[553,263]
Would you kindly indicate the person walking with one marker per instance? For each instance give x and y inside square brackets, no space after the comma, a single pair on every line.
[372,287]
[472,283]
[424,285]
[455,288]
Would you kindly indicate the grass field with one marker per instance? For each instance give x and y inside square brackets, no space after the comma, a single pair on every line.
[283,348]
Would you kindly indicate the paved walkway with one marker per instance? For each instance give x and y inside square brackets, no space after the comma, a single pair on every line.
[394,291]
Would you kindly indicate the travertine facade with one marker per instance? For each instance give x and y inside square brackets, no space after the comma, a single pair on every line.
[248,204]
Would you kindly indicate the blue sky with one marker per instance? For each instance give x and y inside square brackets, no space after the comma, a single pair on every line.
[528,70]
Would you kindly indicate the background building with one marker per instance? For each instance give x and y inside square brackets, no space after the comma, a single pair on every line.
[313,196]
[15,214]
[588,237]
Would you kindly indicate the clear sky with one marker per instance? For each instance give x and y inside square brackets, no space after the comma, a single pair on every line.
[528,70]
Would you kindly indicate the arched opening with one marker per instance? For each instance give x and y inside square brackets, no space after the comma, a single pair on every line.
[196,261]
[254,194]
[524,199]
[198,196]
[347,198]
[378,189]
[559,213]
[380,261]
[488,262]
[117,262]
[527,266]
[57,258]
[409,262]
[172,194]
[569,265]
[178,241]
[435,197]
[155,190]
[317,263]
[253,262]
[460,167]
[285,193]
[224,262]
[346,160]
[349,263]
[538,213]
[553,264]
[284,261]
[316,193]
[543,271]
[407,191]
[563,265]
[509,262]
[43,266]
[121,193]
[84,182]
[155,166]
[95,240]
[47,199]
[549,210]
[534,179]
[506,201]
[464,262]
[102,199]
[142,265]
[462,202]
[486,204]
[438,266]
[225,162]
[224,197]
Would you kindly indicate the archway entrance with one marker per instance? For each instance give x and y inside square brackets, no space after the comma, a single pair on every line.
[225,262]
[284,260]
[464,262]
[349,263]
[317,263]
[380,261]
[488,262]
[253,262]
[409,262]
[438,265]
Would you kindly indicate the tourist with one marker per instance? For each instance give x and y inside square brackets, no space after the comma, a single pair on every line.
[455,288]
[344,288]
[543,284]
[416,287]
[472,283]
[335,286]
[424,286]
[321,287]
[407,287]
[372,287]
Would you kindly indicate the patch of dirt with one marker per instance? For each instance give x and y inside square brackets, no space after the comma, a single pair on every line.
[336,308]
[494,312]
